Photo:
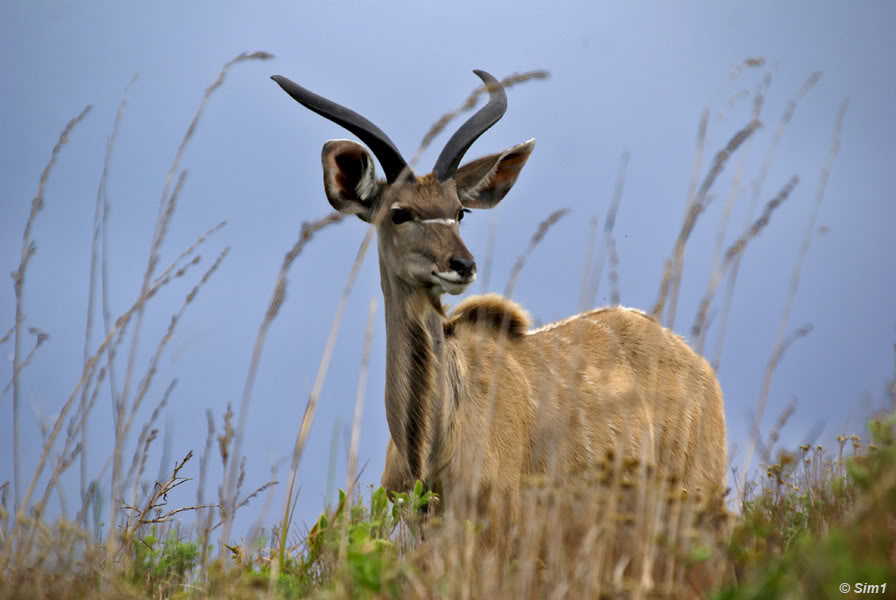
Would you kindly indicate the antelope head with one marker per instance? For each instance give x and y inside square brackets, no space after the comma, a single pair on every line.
[417,218]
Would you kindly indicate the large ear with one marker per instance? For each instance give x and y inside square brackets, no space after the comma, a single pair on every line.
[349,178]
[483,182]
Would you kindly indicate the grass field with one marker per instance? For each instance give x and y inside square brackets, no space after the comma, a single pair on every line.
[808,521]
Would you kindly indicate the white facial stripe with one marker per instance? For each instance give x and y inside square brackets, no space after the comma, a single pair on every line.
[397,206]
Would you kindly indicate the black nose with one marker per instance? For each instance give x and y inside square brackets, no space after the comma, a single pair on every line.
[462,266]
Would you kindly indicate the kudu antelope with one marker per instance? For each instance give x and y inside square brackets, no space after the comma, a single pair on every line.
[471,391]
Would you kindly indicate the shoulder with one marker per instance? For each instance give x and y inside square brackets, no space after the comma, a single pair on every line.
[492,311]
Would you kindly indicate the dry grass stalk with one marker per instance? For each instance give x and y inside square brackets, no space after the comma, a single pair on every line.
[166,208]
[254,494]
[185,254]
[751,62]
[782,339]
[86,376]
[774,360]
[157,500]
[735,250]
[672,273]
[893,381]
[732,103]
[536,239]
[738,246]
[39,338]
[23,551]
[609,224]
[146,382]
[99,231]
[489,252]
[314,395]
[692,201]
[120,325]
[591,240]
[470,104]
[68,454]
[774,435]
[7,335]
[204,516]
[228,493]
[359,404]
[28,250]
[613,275]
[259,525]
[147,434]
[786,117]
[738,175]
[107,314]
[700,341]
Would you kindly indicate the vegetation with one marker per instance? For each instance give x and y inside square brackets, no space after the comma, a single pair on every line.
[817,519]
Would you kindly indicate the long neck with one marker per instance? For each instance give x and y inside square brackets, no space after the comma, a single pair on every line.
[416,361]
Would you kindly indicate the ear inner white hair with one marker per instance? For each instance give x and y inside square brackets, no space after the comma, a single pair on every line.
[366,186]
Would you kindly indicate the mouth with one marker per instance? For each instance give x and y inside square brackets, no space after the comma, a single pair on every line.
[451,282]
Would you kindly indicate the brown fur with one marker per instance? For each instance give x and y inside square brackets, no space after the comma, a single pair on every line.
[396,475]
[610,380]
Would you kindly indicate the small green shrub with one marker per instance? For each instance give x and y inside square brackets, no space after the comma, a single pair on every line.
[162,565]
[356,549]
[807,533]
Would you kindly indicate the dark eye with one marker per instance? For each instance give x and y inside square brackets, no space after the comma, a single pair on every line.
[461,213]
[400,215]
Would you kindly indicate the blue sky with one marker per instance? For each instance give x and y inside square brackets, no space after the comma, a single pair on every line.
[632,76]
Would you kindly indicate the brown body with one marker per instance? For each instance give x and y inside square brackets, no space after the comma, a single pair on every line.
[609,380]
[475,401]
